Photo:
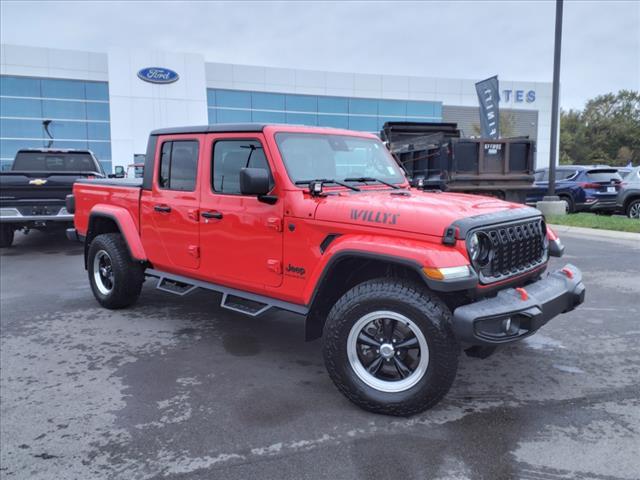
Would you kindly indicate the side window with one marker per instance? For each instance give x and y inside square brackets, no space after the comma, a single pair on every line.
[229,157]
[178,165]
[565,174]
[541,175]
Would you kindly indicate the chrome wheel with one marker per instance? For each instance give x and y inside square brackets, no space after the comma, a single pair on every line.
[634,210]
[387,351]
[103,272]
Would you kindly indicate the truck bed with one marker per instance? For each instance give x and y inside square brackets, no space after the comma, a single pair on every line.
[107,191]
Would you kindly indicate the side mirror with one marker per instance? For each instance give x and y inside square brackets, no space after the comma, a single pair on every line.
[254,181]
[118,172]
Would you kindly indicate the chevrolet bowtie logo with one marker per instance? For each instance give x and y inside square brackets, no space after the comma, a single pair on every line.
[37,181]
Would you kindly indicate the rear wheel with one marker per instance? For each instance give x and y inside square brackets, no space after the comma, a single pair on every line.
[115,278]
[6,235]
[633,209]
[389,348]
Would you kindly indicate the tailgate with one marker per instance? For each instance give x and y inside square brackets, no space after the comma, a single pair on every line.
[21,187]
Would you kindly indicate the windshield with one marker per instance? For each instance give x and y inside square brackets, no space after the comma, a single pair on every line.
[54,162]
[313,156]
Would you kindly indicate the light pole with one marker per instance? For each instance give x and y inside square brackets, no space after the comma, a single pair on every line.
[555,120]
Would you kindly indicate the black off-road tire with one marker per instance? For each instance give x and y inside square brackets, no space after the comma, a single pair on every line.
[128,275]
[6,235]
[422,307]
[633,204]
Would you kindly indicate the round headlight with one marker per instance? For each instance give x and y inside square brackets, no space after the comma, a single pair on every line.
[474,247]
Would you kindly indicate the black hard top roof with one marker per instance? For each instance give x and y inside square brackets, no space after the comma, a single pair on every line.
[219,128]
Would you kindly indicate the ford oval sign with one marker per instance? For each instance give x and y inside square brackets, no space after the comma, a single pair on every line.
[158,75]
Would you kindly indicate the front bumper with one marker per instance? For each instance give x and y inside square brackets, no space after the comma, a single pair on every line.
[516,313]
[599,203]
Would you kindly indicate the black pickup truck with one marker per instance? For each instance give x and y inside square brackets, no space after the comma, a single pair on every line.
[33,192]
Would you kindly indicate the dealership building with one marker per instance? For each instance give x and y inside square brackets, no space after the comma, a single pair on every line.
[110,101]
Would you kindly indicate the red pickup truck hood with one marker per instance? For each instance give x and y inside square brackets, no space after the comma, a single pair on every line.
[417,212]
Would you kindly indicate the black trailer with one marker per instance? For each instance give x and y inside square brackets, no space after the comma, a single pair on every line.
[436,157]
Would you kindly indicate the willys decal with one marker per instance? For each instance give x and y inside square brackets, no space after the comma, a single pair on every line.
[374,216]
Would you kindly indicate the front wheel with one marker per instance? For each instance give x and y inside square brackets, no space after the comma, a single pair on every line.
[6,235]
[571,206]
[389,348]
[115,278]
[633,209]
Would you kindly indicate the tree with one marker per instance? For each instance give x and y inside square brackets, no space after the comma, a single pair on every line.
[507,125]
[606,131]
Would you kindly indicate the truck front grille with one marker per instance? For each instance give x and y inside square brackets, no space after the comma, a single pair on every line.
[516,248]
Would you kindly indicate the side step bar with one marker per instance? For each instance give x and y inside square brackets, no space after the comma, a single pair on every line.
[232,299]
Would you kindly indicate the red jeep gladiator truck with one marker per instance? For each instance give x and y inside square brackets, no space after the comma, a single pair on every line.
[323,222]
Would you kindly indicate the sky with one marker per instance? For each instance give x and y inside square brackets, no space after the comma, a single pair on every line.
[457,39]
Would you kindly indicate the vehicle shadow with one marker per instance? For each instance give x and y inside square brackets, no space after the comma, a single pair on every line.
[48,243]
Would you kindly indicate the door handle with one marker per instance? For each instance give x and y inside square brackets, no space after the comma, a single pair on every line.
[162,208]
[216,215]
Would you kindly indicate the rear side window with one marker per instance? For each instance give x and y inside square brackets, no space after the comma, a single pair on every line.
[178,165]
[565,174]
[603,175]
[229,157]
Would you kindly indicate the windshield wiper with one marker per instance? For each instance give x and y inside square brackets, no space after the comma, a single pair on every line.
[327,180]
[371,179]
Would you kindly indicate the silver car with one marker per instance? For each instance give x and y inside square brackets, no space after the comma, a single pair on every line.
[629,194]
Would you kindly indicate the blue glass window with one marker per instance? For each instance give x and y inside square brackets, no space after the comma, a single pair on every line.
[98,131]
[420,109]
[12,128]
[233,116]
[54,88]
[19,86]
[61,101]
[336,121]
[212,115]
[362,105]
[8,148]
[383,120]
[302,119]
[211,97]
[102,150]
[267,117]
[64,110]
[20,107]
[230,98]
[333,105]
[68,130]
[106,166]
[396,108]
[96,90]
[302,103]
[97,111]
[365,124]
[70,144]
[437,110]
[267,101]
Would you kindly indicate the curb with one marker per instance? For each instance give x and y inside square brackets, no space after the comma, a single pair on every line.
[594,232]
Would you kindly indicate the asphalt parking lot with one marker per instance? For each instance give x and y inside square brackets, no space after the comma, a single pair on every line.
[177,388]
